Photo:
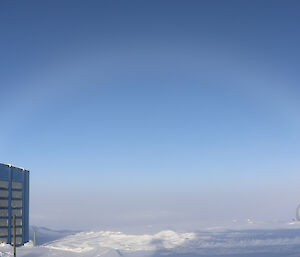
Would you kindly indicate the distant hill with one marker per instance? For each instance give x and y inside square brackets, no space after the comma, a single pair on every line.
[46,235]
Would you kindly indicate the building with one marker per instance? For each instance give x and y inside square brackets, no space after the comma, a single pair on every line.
[298,213]
[14,200]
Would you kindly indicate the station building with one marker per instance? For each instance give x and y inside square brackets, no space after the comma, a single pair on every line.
[14,200]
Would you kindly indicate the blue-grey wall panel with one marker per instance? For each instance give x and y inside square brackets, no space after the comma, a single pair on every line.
[4,171]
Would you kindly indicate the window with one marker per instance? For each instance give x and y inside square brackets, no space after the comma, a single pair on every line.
[16,194]
[17,185]
[3,231]
[4,184]
[17,212]
[4,193]
[18,240]
[3,212]
[4,203]
[3,222]
[16,203]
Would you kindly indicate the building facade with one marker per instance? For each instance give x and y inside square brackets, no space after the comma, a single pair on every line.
[298,213]
[14,200]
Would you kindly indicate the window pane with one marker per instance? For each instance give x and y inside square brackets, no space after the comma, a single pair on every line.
[3,212]
[3,240]
[3,193]
[16,203]
[3,183]
[3,203]
[16,194]
[18,222]
[3,222]
[17,212]
[18,240]
[3,232]
[16,185]
[18,231]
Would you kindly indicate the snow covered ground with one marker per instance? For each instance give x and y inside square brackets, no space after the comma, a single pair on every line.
[247,240]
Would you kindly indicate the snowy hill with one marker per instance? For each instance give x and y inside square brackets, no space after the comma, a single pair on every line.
[254,240]
[46,235]
[90,241]
[105,244]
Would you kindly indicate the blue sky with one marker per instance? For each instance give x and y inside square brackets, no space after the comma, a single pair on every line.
[159,111]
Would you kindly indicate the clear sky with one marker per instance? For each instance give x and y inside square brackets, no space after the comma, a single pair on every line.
[152,112]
